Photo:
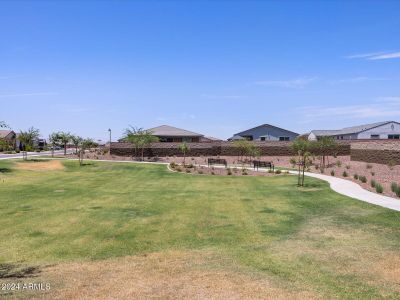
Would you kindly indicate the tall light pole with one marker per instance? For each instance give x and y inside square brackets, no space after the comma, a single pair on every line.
[109,130]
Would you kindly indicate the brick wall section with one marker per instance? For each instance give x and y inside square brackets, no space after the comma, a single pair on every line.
[271,148]
[381,152]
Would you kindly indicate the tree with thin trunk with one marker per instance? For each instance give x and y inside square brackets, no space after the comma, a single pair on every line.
[28,138]
[254,151]
[133,136]
[325,146]
[64,138]
[184,147]
[147,138]
[303,149]
[140,139]
[83,145]
[54,141]
[76,140]
[243,148]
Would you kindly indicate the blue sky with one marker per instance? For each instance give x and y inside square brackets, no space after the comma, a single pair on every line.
[212,67]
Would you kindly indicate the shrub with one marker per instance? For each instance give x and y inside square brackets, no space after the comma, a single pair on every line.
[278,172]
[178,169]
[345,174]
[212,173]
[363,179]
[394,186]
[398,192]
[373,183]
[348,167]
[373,173]
[229,172]
[355,176]
[270,171]
[378,188]
[244,172]
[187,170]
[339,163]
[369,166]
[332,173]
[200,172]
[173,165]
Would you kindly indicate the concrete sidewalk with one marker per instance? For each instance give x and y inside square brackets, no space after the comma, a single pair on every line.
[353,190]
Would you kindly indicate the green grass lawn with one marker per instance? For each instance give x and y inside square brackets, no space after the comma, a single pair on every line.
[307,238]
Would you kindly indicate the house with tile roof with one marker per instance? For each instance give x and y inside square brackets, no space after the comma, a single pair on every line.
[375,131]
[166,133]
[265,132]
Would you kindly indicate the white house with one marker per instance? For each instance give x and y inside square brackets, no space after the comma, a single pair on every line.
[375,131]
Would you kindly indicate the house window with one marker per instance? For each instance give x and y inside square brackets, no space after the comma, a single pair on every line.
[375,136]
[262,138]
[394,136]
[283,138]
[248,137]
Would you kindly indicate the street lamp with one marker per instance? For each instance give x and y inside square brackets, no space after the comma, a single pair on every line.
[109,130]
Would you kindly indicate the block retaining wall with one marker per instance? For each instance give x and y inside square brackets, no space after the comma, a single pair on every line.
[381,152]
[268,148]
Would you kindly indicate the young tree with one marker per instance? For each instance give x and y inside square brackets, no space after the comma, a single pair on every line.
[254,151]
[54,141]
[325,146]
[303,149]
[3,124]
[133,136]
[147,138]
[243,148]
[64,138]
[76,140]
[28,138]
[184,147]
[85,144]
[140,139]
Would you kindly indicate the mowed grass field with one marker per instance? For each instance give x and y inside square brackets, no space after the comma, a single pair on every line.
[125,230]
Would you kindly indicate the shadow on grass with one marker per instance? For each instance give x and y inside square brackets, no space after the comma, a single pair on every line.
[17,271]
[85,164]
[37,160]
[5,170]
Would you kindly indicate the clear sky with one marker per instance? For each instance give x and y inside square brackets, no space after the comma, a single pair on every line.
[214,67]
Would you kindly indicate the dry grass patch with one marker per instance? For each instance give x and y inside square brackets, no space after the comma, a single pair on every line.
[40,165]
[342,250]
[168,275]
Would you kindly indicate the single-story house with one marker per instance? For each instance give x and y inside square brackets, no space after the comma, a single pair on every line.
[375,131]
[9,137]
[171,134]
[265,132]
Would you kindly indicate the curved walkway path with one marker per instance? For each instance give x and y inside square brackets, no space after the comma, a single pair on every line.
[339,185]
[353,190]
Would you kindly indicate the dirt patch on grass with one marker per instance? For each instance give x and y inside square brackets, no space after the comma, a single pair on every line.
[41,165]
[170,275]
